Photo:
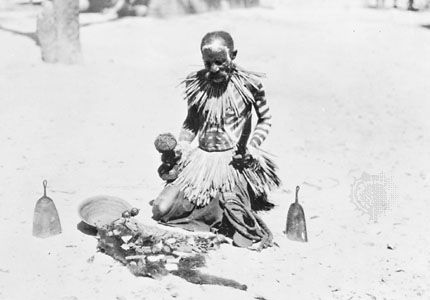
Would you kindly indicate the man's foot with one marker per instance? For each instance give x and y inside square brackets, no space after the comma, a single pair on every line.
[241,241]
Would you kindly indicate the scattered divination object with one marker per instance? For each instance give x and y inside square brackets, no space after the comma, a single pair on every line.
[150,251]
[134,212]
[46,221]
[154,252]
[296,222]
[130,213]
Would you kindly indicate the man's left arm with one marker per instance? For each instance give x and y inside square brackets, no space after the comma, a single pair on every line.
[264,121]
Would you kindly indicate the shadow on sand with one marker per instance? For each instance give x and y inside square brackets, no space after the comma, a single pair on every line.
[30,35]
[35,39]
[98,22]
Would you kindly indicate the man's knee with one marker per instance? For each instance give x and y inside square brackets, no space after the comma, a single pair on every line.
[164,202]
[159,209]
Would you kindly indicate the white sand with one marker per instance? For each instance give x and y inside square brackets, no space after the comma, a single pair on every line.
[348,88]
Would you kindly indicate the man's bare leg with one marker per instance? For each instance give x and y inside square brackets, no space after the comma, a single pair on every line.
[164,202]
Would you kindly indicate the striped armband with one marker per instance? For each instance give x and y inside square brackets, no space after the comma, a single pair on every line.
[264,118]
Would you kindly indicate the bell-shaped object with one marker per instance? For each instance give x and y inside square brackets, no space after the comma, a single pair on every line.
[46,221]
[296,222]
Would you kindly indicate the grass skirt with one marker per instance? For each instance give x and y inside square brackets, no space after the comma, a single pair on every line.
[204,174]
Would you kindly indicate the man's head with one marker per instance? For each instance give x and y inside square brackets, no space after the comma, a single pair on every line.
[218,54]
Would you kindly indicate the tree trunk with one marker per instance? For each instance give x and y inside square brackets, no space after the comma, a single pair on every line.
[58,31]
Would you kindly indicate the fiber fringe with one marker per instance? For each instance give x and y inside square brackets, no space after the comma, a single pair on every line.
[205,174]
[213,100]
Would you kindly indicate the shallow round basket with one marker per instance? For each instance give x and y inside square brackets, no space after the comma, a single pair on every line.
[100,211]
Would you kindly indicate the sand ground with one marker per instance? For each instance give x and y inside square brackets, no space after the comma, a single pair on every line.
[348,88]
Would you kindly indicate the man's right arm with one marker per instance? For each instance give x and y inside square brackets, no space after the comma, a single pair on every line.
[190,126]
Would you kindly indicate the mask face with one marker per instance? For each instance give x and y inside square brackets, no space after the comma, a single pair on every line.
[217,60]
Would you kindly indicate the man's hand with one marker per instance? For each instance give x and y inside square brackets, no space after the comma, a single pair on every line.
[168,172]
[183,149]
[171,158]
[243,160]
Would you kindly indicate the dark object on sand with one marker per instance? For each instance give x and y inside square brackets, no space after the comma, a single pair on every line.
[130,213]
[46,221]
[188,270]
[100,211]
[166,144]
[134,212]
[296,222]
[155,252]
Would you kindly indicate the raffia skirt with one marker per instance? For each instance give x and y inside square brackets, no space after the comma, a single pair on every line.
[203,175]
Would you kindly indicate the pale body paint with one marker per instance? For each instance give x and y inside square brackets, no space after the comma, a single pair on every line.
[216,45]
